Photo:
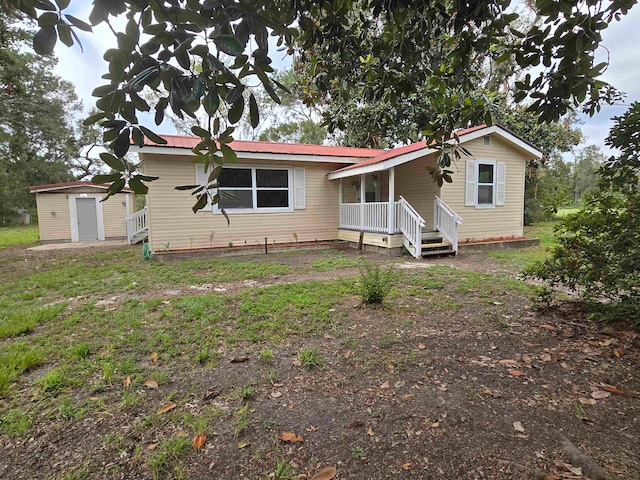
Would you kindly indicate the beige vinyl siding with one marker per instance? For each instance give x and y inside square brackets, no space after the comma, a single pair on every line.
[174,226]
[417,187]
[114,211]
[53,227]
[58,227]
[483,223]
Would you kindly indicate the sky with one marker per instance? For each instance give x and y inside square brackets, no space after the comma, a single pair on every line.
[621,39]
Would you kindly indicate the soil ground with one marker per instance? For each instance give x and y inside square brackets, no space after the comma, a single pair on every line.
[454,376]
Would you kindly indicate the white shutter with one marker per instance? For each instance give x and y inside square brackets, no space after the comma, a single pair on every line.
[300,194]
[470,190]
[501,183]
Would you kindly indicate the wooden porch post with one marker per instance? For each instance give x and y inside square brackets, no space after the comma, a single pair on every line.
[362,200]
[392,198]
[340,204]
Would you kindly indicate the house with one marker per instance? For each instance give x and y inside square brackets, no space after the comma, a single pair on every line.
[288,193]
[73,212]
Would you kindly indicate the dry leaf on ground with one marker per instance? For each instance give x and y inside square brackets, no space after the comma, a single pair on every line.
[327,473]
[127,381]
[385,385]
[600,394]
[167,408]
[154,357]
[516,373]
[508,362]
[617,391]
[517,426]
[198,440]
[240,359]
[151,383]
[291,437]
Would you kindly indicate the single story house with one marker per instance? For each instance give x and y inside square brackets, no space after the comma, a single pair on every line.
[74,212]
[291,193]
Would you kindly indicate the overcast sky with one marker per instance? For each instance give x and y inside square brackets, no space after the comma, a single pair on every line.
[622,39]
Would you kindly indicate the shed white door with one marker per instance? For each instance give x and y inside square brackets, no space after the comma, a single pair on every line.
[87,215]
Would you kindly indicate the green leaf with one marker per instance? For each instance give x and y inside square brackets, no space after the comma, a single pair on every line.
[76,22]
[113,162]
[48,19]
[121,144]
[91,119]
[138,137]
[201,203]
[236,111]
[228,44]
[153,136]
[187,187]
[62,4]
[64,33]
[44,41]
[101,179]
[147,178]
[253,111]
[137,186]
[200,132]
[228,153]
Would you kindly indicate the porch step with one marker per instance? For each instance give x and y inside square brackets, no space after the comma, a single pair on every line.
[139,237]
[439,245]
[429,253]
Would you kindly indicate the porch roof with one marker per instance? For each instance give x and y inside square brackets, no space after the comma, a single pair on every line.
[400,155]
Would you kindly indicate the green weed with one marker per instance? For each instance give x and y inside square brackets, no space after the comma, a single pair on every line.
[15,423]
[24,321]
[15,359]
[310,358]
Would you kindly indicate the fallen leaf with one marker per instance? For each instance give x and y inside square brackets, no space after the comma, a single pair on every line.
[370,432]
[94,399]
[492,393]
[517,426]
[587,401]
[422,346]
[406,466]
[347,354]
[297,363]
[127,381]
[355,423]
[242,445]
[516,373]
[385,385]
[600,394]
[617,353]
[312,428]
[408,396]
[545,357]
[435,425]
[546,326]
[151,383]
[327,473]
[167,408]
[276,394]
[290,437]
[198,440]
[617,391]
[152,446]
[508,362]
[154,357]
[443,387]
[240,359]
[522,436]
[291,405]
[606,342]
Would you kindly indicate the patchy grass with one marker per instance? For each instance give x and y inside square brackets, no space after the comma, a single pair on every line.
[521,258]
[20,322]
[26,235]
[400,381]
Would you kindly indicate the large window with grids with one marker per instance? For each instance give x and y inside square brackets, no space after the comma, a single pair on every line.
[254,189]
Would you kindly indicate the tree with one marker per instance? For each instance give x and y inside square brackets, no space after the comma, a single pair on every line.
[162,37]
[585,175]
[599,247]
[37,138]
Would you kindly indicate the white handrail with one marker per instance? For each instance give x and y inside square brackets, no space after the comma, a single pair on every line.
[446,221]
[136,223]
[410,224]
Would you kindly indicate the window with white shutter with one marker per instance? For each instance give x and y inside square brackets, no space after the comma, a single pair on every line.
[485,183]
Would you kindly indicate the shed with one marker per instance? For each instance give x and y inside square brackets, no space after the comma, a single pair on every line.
[74,212]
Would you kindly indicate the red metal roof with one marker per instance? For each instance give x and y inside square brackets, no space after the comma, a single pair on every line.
[63,185]
[395,152]
[178,141]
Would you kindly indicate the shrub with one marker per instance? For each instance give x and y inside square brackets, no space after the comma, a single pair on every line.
[375,283]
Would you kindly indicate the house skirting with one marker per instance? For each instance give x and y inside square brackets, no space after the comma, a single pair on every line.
[376,242]
[507,244]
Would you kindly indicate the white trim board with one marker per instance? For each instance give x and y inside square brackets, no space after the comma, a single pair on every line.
[423,152]
[73,215]
[280,157]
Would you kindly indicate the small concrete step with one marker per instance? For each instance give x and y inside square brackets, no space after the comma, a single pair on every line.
[430,253]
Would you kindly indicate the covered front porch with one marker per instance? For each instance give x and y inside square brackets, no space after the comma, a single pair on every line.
[396,207]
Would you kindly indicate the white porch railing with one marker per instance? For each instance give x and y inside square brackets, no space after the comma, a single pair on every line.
[446,221]
[136,224]
[410,224]
[368,217]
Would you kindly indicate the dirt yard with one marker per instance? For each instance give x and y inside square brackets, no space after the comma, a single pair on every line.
[271,367]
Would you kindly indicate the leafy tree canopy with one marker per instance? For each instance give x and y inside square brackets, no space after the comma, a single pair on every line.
[384,49]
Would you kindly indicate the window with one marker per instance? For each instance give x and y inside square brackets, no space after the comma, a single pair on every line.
[486,184]
[486,140]
[252,189]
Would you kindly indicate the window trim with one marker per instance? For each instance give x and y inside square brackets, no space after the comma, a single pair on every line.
[254,189]
[494,165]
